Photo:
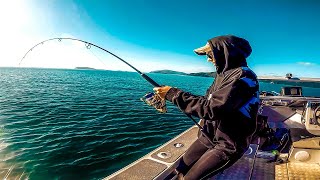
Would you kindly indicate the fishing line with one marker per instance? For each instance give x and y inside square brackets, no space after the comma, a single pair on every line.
[97,57]
[151,99]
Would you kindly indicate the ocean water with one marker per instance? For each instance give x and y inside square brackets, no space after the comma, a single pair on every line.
[85,124]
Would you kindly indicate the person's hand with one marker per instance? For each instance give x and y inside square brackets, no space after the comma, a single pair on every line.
[162,91]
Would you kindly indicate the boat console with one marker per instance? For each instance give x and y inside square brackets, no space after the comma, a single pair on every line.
[306,142]
[311,118]
[291,91]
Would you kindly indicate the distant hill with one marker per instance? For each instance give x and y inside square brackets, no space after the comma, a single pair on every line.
[84,68]
[168,72]
[202,74]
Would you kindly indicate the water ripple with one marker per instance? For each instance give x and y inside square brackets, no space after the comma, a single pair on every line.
[71,124]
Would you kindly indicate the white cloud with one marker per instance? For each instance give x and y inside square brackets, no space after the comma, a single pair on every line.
[306,63]
[283,69]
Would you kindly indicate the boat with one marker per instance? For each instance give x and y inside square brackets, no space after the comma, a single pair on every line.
[298,157]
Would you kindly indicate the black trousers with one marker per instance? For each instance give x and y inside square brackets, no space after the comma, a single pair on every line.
[201,162]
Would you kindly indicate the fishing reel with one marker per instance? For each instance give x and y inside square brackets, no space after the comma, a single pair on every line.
[153,99]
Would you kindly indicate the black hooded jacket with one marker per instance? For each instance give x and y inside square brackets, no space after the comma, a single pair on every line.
[229,108]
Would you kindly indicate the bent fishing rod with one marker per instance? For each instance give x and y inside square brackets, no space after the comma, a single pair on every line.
[147,78]
[88,45]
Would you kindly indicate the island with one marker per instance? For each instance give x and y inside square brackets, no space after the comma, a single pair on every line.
[202,74]
[168,72]
[85,68]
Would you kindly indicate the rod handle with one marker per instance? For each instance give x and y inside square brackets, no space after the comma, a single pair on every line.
[151,81]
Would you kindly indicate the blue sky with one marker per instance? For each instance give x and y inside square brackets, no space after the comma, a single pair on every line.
[162,34]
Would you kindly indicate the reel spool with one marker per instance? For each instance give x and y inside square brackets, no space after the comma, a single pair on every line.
[153,99]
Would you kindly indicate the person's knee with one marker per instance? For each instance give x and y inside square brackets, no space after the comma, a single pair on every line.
[212,162]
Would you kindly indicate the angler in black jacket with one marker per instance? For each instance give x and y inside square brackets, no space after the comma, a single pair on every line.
[228,109]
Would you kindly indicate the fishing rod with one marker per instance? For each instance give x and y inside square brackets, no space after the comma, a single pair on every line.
[88,45]
[151,99]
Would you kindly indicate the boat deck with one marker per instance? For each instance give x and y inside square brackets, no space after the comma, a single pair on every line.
[159,160]
[159,164]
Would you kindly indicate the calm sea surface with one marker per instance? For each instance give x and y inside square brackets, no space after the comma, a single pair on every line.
[85,124]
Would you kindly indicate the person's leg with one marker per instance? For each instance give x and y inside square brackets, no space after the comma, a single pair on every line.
[193,153]
[211,162]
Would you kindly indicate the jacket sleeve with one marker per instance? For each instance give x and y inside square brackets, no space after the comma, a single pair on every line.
[231,96]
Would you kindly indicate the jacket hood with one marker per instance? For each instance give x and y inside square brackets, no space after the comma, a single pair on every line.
[229,52]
